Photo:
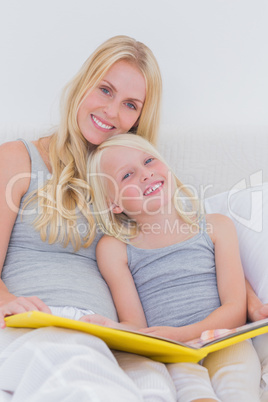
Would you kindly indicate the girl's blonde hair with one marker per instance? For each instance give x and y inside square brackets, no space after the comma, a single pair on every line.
[67,190]
[120,225]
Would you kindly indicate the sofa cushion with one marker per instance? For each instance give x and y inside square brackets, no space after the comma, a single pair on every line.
[248,208]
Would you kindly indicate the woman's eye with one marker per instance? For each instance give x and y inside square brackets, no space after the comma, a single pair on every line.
[105,91]
[131,106]
[126,176]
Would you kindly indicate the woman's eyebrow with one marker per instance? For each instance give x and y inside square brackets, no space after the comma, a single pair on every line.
[110,84]
[115,90]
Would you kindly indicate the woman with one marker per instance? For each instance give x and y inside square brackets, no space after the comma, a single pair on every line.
[48,241]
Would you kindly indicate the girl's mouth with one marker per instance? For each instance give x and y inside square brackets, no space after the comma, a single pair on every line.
[153,188]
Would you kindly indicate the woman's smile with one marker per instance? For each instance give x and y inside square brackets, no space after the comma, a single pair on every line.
[100,123]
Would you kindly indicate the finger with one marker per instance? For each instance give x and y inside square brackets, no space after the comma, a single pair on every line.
[10,310]
[145,330]
[39,305]
[264,308]
[2,321]
[24,304]
[85,318]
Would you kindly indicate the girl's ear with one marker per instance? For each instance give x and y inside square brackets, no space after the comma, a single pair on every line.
[116,209]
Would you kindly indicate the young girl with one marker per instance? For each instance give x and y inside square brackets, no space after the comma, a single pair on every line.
[172,272]
[47,253]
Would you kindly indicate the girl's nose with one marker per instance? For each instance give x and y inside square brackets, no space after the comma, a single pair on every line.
[146,174]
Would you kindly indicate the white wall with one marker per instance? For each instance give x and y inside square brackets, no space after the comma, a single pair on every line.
[213,55]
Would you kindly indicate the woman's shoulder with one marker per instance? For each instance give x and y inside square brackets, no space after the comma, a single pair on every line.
[14,162]
[15,151]
[14,156]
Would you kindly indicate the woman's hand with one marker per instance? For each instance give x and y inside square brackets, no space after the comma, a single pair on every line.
[259,313]
[256,309]
[21,305]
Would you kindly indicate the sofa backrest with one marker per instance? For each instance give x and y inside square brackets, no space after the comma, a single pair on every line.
[213,160]
[210,160]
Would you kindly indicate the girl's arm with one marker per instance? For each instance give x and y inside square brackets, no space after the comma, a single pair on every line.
[230,281]
[14,182]
[256,309]
[113,264]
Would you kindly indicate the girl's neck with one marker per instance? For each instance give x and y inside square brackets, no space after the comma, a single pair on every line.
[163,230]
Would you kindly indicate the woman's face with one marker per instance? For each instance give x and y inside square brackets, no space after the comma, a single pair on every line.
[115,105]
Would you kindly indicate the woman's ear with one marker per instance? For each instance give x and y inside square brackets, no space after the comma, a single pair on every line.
[116,209]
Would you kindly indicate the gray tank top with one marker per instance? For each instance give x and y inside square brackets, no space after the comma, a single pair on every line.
[57,275]
[177,284]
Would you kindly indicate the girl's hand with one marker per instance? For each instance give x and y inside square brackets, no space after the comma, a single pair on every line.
[21,305]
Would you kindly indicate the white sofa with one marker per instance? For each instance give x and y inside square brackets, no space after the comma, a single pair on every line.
[225,166]
[209,159]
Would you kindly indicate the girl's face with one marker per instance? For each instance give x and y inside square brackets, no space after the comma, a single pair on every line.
[115,105]
[137,182]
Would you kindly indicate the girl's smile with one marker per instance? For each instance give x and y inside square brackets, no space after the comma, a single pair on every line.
[154,188]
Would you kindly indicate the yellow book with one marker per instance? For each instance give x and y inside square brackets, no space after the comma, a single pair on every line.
[160,349]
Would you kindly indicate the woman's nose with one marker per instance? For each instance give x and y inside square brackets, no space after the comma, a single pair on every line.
[111,109]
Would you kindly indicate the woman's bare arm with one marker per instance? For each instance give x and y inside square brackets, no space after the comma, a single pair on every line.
[15,171]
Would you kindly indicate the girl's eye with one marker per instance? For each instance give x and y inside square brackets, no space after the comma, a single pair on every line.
[148,160]
[131,106]
[126,176]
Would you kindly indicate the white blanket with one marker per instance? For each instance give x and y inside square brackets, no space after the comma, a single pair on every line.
[55,364]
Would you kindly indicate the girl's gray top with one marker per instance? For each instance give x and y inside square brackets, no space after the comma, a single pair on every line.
[57,275]
[177,284]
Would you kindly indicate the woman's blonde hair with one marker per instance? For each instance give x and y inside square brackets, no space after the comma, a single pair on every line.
[67,190]
[120,225]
